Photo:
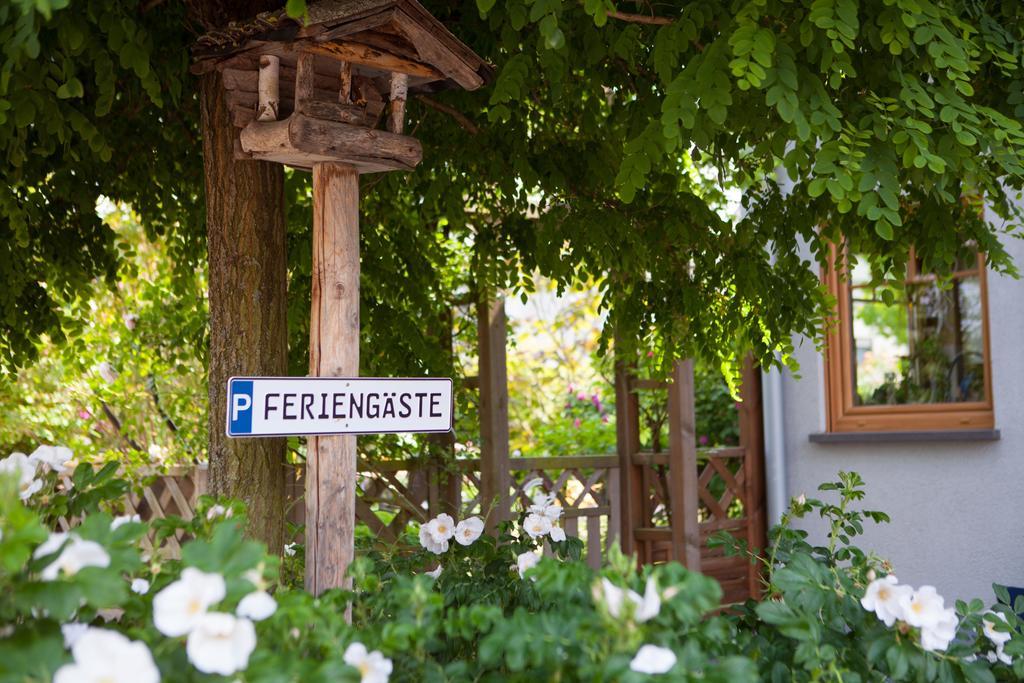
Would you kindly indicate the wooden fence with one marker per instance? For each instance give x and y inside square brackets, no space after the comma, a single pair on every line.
[393,494]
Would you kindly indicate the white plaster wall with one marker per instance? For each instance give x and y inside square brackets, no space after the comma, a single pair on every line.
[957,508]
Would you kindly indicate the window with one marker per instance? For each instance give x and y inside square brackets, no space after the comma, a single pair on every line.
[913,358]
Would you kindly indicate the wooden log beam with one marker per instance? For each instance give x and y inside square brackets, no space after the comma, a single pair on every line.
[357,53]
[269,92]
[302,141]
[333,352]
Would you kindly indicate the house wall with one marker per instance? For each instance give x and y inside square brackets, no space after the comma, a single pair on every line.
[957,508]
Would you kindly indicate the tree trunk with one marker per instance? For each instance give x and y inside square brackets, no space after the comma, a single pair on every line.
[245,224]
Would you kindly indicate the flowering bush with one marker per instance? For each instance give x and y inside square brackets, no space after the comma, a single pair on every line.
[452,603]
[834,612]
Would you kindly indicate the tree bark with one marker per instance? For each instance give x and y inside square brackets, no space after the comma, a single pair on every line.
[245,224]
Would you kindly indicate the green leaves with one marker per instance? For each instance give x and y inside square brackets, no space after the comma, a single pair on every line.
[641,154]
[73,88]
[753,48]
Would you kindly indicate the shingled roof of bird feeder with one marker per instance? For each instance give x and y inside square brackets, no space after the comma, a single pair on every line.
[361,57]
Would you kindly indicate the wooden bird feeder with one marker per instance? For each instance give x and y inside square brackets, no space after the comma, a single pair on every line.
[319,92]
[329,95]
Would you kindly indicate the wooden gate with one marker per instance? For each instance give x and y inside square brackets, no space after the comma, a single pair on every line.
[674,499]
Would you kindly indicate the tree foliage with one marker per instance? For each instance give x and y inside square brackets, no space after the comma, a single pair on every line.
[95,100]
[603,149]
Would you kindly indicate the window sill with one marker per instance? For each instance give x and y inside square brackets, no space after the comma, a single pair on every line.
[905,437]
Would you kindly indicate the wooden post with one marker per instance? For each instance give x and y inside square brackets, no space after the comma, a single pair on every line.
[752,442]
[396,102]
[345,91]
[495,503]
[333,352]
[682,469]
[627,437]
[269,92]
[305,81]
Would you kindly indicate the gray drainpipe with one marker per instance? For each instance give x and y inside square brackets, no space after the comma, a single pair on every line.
[774,445]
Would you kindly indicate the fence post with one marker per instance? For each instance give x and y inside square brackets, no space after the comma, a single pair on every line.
[627,437]
[752,442]
[682,469]
[495,481]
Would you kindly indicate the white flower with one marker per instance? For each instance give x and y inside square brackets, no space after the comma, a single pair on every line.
[441,528]
[255,577]
[257,606]
[801,500]
[883,597]
[218,511]
[140,586]
[107,372]
[102,656]
[536,525]
[999,656]
[557,534]
[543,505]
[924,608]
[179,607]
[427,541]
[651,659]
[536,481]
[75,555]
[373,667]
[130,320]
[56,458]
[24,469]
[468,530]
[644,608]
[220,643]
[526,561]
[939,636]
[72,632]
[121,520]
[289,550]
[434,573]
[650,605]
[998,638]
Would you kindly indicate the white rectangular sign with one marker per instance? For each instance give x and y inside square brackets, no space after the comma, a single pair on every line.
[298,406]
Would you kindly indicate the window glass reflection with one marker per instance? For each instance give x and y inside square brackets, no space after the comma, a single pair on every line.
[926,347]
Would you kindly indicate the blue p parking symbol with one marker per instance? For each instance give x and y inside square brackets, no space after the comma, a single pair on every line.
[240,408]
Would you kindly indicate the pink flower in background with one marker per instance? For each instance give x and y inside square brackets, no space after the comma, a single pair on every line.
[702,440]
[596,400]
[84,414]
[581,396]
[576,423]
[604,419]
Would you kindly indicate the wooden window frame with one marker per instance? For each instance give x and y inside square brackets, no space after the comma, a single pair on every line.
[844,416]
